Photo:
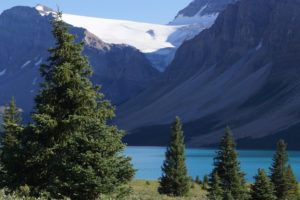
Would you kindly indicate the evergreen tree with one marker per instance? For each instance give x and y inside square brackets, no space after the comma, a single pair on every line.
[278,170]
[282,176]
[11,159]
[228,169]
[73,152]
[292,192]
[262,189]
[175,181]
[215,191]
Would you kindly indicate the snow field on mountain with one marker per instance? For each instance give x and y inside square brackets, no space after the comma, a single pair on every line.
[143,36]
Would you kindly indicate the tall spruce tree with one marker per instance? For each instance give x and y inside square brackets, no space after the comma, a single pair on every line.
[11,159]
[228,169]
[73,151]
[278,170]
[262,189]
[292,192]
[215,191]
[175,180]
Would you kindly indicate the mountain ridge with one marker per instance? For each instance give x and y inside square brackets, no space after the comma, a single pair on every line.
[230,74]
[201,12]
[158,42]
[25,38]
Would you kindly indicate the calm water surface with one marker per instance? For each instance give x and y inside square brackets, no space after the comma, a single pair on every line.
[148,161]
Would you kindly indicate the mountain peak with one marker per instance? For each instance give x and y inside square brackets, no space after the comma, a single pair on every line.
[44,10]
[203,12]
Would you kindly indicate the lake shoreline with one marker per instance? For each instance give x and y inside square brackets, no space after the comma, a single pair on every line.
[148,161]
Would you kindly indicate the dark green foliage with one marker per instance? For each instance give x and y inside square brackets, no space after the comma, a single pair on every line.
[205,183]
[215,191]
[262,189]
[292,192]
[11,147]
[71,150]
[278,170]
[227,167]
[228,196]
[198,180]
[282,175]
[175,181]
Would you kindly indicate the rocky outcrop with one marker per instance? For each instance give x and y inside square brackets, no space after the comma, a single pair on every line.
[243,72]
[205,7]
[201,12]
[196,17]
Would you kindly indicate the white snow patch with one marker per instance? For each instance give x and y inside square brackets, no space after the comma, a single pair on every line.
[25,64]
[2,72]
[39,7]
[43,10]
[39,62]
[144,36]
[31,91]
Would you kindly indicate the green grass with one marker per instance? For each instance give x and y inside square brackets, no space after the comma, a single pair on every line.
[147,190]
[141,190]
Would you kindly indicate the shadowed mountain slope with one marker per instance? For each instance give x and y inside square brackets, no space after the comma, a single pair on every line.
[243,72]
[25,36]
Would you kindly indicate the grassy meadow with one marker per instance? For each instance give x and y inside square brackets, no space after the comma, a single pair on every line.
[141,190]
[147,190]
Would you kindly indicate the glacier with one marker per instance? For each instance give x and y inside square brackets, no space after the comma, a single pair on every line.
[158,42]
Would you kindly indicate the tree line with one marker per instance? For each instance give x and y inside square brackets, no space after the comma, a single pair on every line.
[226,181]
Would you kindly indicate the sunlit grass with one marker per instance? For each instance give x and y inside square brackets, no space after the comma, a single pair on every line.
[141,190]
[147,190]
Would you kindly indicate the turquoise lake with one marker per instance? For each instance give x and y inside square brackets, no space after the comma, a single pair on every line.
[148,160]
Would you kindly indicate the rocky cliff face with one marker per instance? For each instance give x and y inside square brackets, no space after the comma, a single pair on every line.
[25,36]
[196,17]
[205,7]
[202,12]
[243,72]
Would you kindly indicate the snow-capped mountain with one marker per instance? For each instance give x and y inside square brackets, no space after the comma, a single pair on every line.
[158,42]
[148,38]
[143,36]
[109,45]
[25,36]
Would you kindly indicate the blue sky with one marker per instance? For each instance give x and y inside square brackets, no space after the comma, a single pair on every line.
[153,11]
